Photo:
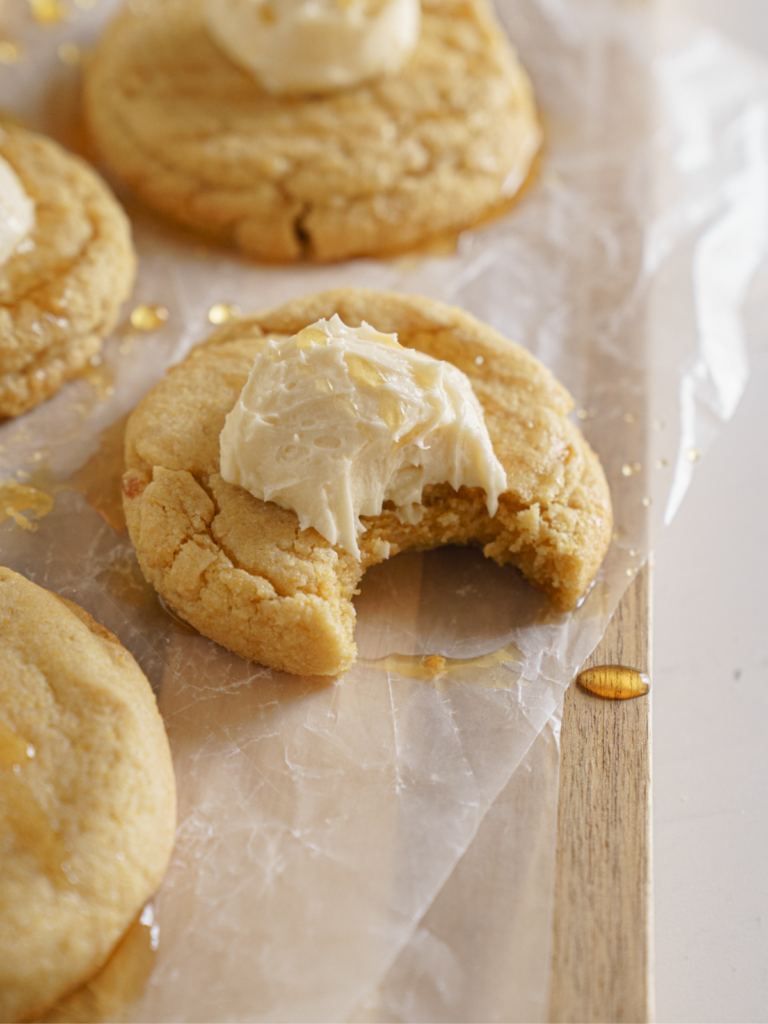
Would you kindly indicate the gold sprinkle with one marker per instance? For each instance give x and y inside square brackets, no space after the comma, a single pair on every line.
[693,455]
[647,502]
[70,54]
[614,682]
[149,318]
[48,12]
[630,468]
[222,312]
[661,463]
[628,417]
[10,53]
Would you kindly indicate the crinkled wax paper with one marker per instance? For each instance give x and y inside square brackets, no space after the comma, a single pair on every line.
[381,847]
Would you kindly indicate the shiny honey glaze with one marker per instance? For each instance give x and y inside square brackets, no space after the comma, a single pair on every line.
[124,580]
[16,498]
[614,682]
[98,480]
[439,671]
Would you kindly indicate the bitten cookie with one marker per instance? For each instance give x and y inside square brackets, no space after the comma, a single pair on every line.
[370,170]
[87,798]
[240,570]
[61,291]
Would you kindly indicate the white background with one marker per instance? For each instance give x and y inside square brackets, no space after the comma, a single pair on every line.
[710,700]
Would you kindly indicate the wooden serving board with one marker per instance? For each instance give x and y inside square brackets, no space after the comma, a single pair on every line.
[602,960]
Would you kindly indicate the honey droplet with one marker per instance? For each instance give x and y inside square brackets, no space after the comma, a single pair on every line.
[438,670]
[48,12]
[222,312]
[614,682]
[70,54]
[630,468]
[10,53]
[149,318]
[361,371]
[16,498]
[99,479]
[693,455]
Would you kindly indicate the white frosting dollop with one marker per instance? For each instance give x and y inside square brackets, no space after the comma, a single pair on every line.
[17,212]
[305,46]
[336,420]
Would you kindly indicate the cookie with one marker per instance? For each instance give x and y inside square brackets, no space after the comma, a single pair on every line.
[87,799]
[371,170]
[241,571]
[61,291]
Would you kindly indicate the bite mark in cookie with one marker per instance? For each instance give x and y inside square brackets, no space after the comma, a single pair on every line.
[242,572]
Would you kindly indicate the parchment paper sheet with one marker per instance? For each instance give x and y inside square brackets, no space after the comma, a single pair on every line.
[381,848]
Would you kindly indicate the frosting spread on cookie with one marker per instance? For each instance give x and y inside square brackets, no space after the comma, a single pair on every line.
[17,212]
[301,46]
[337,420]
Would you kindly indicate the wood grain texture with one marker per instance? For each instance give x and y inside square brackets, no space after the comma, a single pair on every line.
[602,962]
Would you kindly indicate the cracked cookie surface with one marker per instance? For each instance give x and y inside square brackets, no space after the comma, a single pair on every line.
[370,170]
[61,291]
[87,795]
[242,572]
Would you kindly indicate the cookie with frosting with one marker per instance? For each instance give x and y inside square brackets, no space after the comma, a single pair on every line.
[66,266]
[243,571]
[369,166]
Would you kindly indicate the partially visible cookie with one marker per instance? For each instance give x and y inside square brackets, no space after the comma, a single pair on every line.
[373,169]
[242,572]
[87,797]
[61,291]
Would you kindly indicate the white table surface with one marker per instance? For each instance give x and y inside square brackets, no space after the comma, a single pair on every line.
[710,700]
